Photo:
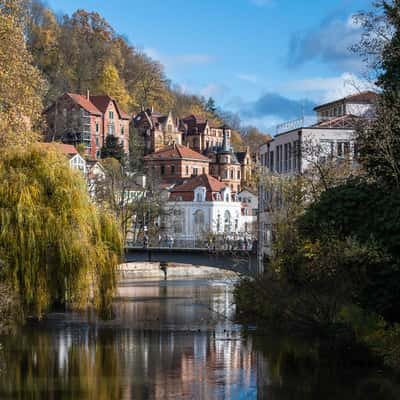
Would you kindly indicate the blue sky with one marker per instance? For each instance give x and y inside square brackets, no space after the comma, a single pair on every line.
[267,59]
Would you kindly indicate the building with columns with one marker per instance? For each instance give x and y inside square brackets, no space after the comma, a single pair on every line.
[203,206]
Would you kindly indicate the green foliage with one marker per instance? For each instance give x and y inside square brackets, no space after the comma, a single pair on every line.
[54,242]
[113,149]
[379,139]
[370,213]
[136,150]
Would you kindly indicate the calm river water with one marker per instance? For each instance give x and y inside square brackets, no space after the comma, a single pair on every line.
[171,340]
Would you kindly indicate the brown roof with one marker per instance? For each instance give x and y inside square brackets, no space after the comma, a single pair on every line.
[84,103]
[66,149]
[102,102]
[176,151]
[345,121]
[209,182]
[366,97]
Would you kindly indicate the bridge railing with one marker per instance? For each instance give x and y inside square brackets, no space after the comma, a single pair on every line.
[219,244]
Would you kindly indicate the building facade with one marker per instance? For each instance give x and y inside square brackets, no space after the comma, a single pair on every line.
[203,206]
[331,135]
[175,163]
[157,130]
[75,119]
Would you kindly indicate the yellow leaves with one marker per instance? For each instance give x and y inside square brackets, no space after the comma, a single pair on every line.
[21,85]
[110,83]
[51,235]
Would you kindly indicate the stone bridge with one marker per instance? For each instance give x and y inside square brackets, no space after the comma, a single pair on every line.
[241,261]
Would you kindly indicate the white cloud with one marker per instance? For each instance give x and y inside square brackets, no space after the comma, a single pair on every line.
[329,89]
[247,78]
[177,60]
[215,90]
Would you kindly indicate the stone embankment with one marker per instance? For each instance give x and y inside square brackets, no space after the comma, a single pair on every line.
[157,270]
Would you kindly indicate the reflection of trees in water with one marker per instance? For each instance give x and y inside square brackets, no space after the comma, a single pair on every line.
[111,363]
[52,367]
[294,369]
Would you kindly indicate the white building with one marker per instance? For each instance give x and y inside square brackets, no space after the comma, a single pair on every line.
[203,206]
[76,161]
[297,144]
[249,204]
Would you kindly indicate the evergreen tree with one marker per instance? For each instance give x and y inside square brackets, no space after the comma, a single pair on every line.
[136,150]
[113,149]
[210,106]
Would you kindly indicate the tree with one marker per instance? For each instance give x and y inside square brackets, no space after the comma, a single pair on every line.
[55,245]
[134,207]
[110,83]
[113,148]
[210,106]
[21,85]
[379,139]
[136,150]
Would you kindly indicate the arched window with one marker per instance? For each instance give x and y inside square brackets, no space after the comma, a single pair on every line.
[227,221]
[199,221]
[200,194]
[178,221]
[232,174]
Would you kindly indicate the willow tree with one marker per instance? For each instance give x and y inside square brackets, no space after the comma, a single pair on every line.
[57,248]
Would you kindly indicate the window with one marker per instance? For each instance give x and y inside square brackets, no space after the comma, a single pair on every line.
[178,198]
[122,130]
[187,170]
[271,161]
[97,141]
[238,174]
[218,196]
[97,127]
[204,170]
[227,221]
[199,221]
[172,169]
[162,170]
[111,114]
[195,171]
[232,174]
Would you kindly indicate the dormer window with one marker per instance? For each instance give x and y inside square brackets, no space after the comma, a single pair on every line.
[200,194]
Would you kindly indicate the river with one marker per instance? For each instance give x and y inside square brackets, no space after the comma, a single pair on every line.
[170,340]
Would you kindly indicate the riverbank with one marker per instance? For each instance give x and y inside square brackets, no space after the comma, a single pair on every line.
[157,270]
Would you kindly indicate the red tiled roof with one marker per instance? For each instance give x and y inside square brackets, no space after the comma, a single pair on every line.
[176,151]
[84,103]
[102,102]
[209,182]
[66,149]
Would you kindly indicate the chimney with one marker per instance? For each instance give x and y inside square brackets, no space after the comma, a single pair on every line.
[88,94]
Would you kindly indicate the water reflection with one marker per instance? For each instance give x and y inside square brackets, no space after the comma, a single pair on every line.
[174,340]
[166,343]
